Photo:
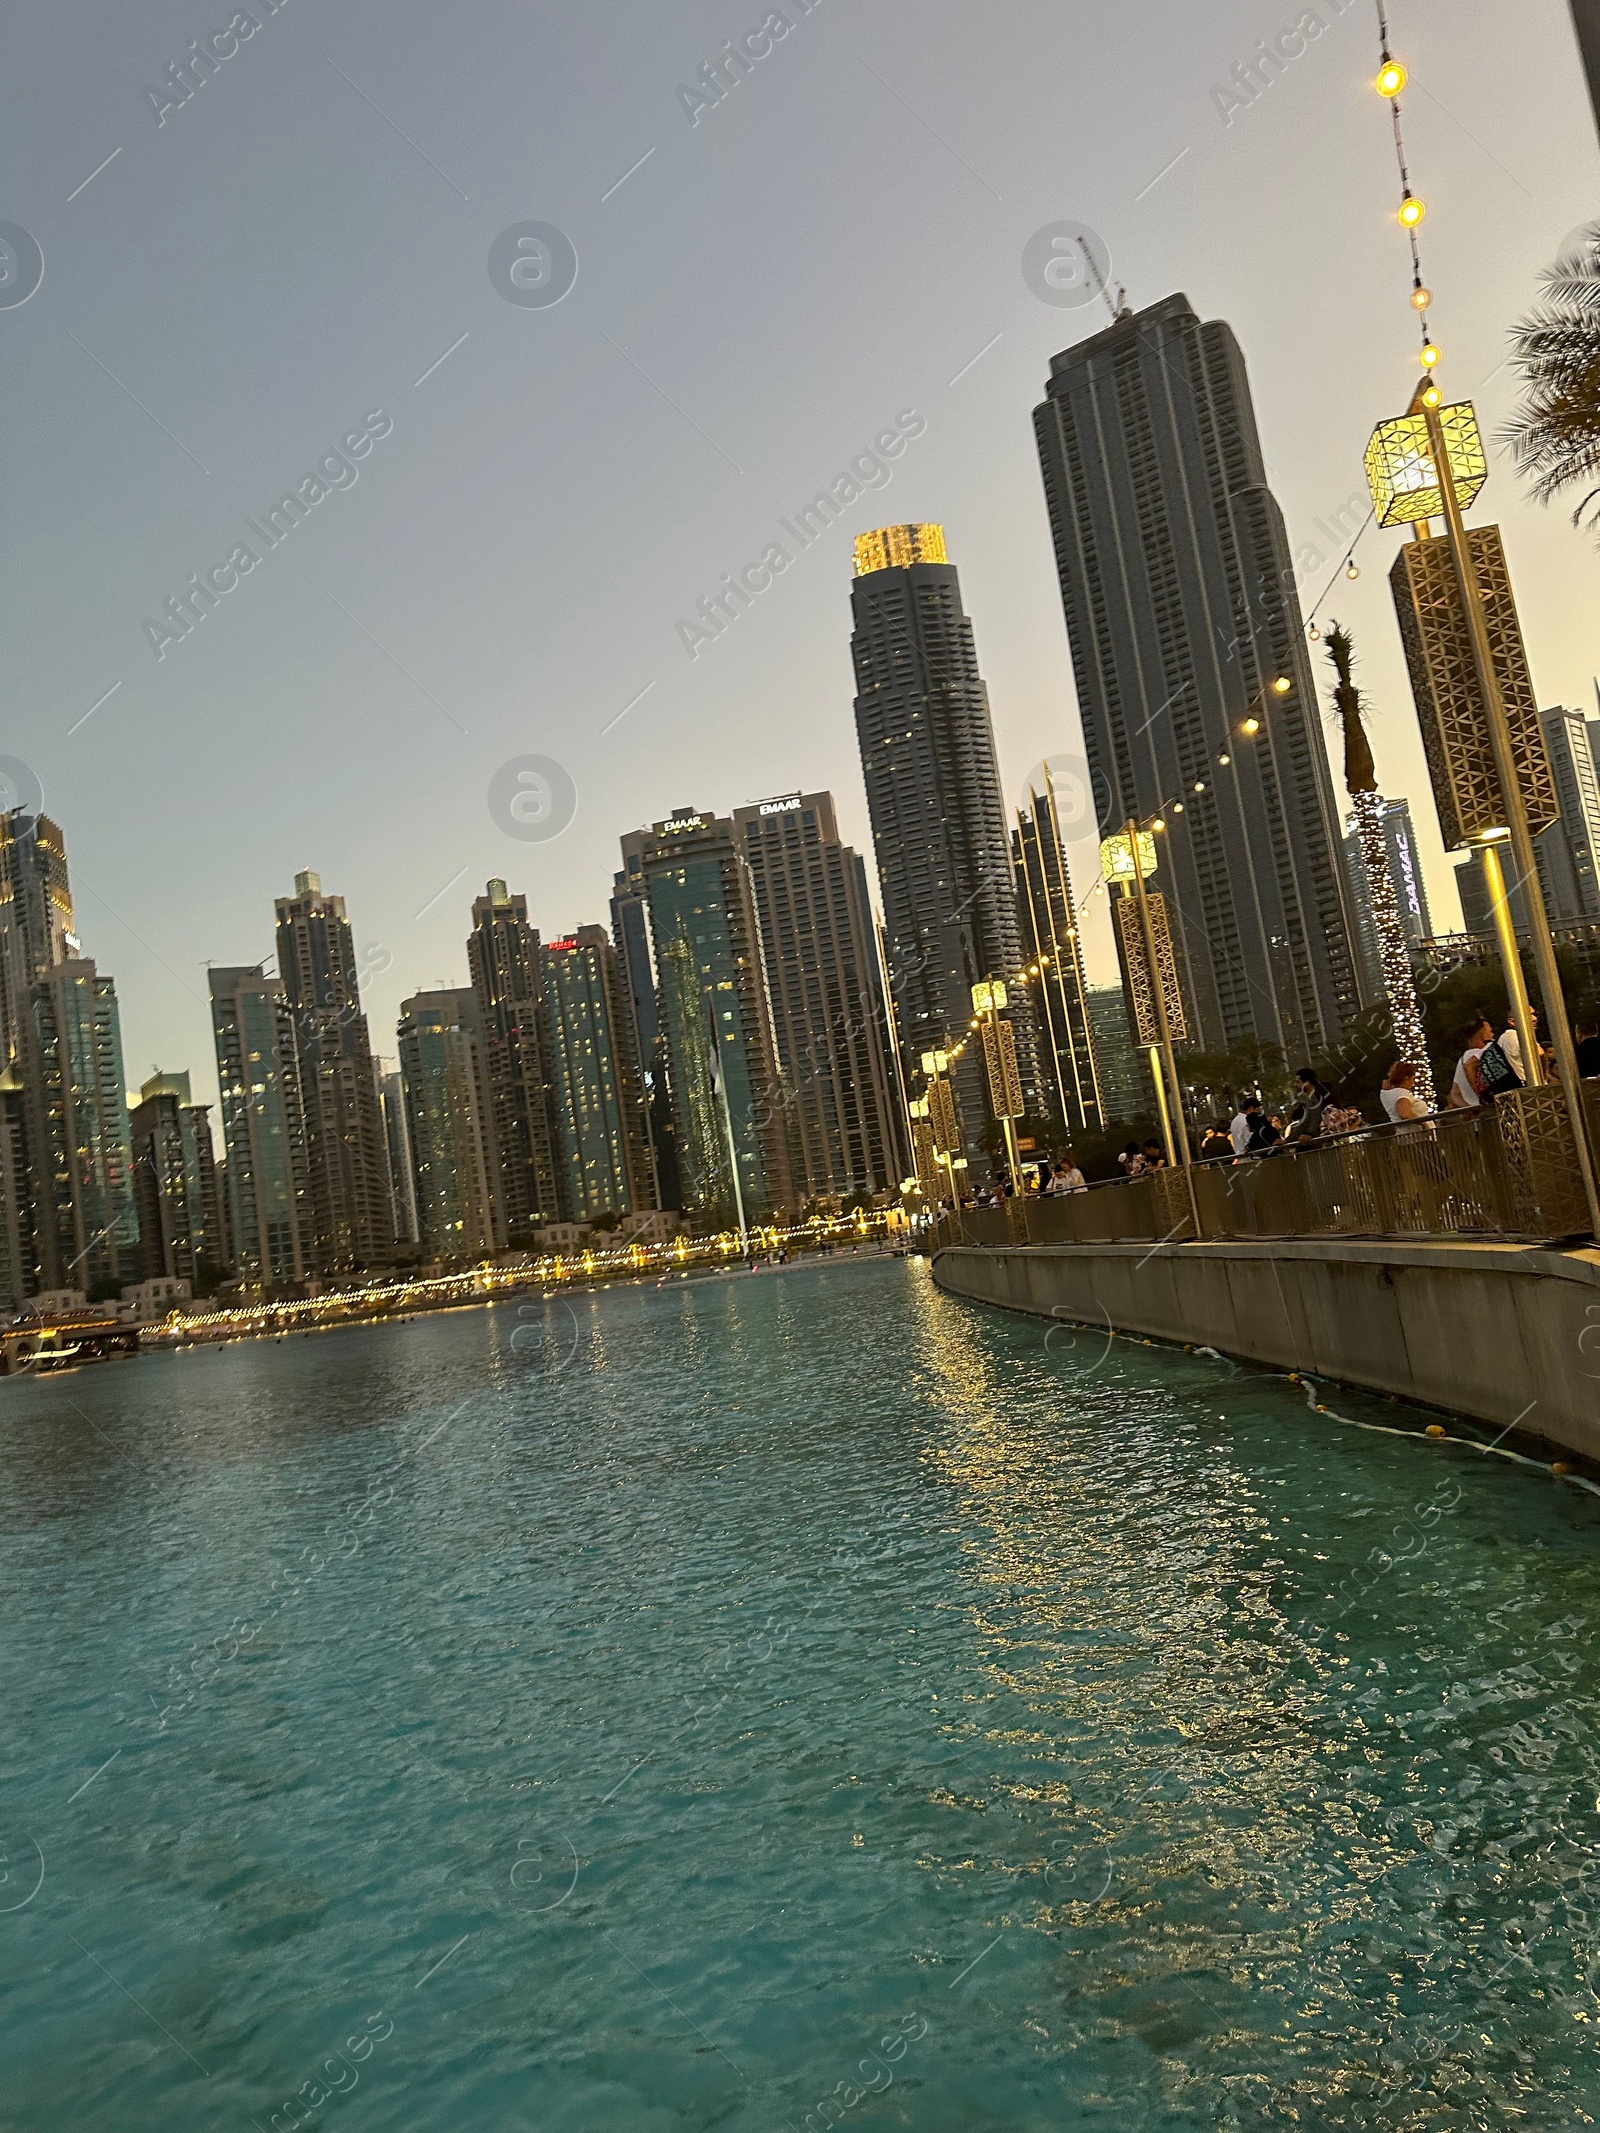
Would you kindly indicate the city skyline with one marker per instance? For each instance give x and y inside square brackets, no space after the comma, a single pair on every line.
[639,517]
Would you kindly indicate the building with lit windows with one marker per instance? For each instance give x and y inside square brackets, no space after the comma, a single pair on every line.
[89,1230]
[447,1100]
[506,960]
[630,934]
[1052,948]
[347,1161]
[933,794]
[1177,581]
[263,1127]
[730,1117]
[829,1010]
[604,1149]
[181,1233]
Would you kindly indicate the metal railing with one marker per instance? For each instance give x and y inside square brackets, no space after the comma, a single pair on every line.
[1505,1171]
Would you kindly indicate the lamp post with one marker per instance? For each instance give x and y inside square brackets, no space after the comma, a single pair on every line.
[1126,860]
[1428,464]
[1000,1054]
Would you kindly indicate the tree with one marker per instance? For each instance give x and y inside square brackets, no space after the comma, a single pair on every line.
[1361,782]
[1555,436]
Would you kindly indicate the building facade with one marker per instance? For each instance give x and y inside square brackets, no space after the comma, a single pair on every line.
[730,1116]
[1178,587]
[1051,946]
[1126,1092]
[602,1130]
[829,1009]
[1568,852]
[392,1103]
[89,1228]
[1410,893]
[349,1203]
[933,794]
[506,960]
[448,1102]
[630,934]
[263,1127]
[175,1184]
[1586,21]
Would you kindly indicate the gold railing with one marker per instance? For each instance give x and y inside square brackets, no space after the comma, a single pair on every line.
[1505,1171]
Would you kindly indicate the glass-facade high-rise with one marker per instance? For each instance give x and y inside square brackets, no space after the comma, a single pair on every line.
[447,1101]
[392,1102]
[263,1127]
[1178,586]
[1568,852]
[1126,1090]
[630,933]
[175,1184]
[81,1148]
[933,795]
[347,1161]
[829,1010]
[1051,945]
[727,1096]
[604,1147]
[506,960]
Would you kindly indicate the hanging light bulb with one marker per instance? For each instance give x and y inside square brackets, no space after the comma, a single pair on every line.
[1199,784]
[1177,809]
[1412,211]
[1316,634]
[1282,685]
[1421,298]
[1224,758]
[1430,355]
[1430,396]
[1352,569]
[1392,77]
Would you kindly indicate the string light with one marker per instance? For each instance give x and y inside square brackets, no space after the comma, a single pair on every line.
[1391,78]
[1251,725]
[1282,685]
[1352,570]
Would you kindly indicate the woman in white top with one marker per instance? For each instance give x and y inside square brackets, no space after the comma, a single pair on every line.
[1397,1097]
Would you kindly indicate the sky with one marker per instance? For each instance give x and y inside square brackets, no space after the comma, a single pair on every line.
[321,244]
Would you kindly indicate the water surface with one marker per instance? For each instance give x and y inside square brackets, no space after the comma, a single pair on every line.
[754,1703]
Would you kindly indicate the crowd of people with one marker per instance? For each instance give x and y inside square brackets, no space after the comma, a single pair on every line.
[1489,1067]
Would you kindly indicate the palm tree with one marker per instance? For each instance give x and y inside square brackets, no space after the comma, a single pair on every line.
[1556,435]
[1366,804]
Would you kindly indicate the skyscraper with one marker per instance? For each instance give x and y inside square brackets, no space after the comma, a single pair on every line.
[78,1139]
[263,1127]
[447,1099]
[507,965]
[19,1224]
[347,1163]
[933,794]
[1178,588]
[1568,852]
[1410,892]
[830,1017]
[1126,1092]
[175,1185]
[402,1188]
[728,1101]
[1586,21]
[603,1140]
[35,918]
[630,932]
[1051,945]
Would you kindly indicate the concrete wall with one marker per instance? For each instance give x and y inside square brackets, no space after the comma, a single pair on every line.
[1502,1332]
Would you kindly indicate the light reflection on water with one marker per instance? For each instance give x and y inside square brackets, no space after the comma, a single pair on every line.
[759,1699]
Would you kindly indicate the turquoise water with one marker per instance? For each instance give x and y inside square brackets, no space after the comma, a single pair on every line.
[785,1701]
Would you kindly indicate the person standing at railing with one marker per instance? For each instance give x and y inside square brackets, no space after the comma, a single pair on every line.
[1154,1158]
[1466,1089]
[1314,1095]
[1218,1142]
[1066,1177]
[1245,1121]
[1398,1094]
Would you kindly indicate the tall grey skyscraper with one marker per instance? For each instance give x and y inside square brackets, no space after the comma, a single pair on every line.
[1410,892]
[448,1124]
[263,1128]
[347,1158]
[933,794]
[605,1154]
[507,964]
[1586,21]
[1182,615]
[829,1015]
[1568,852]
[1050,942]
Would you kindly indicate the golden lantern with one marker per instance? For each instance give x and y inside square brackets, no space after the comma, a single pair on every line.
[1400,470]
[1116,860]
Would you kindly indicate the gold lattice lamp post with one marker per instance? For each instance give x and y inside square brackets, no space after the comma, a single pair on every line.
[1152,967]
[989,1000]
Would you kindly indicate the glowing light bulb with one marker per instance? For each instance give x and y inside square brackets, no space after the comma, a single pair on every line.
[1352,570]
[1224,758]
[1421,298]
[1282,685]
[1177,809]
[1412,211]
[1251,725]
[1315,634]
[1392,78]
[1430,354]
[1430,397]
[1199,784]
[1158,824]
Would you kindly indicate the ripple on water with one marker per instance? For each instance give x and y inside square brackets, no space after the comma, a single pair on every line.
[777,1699]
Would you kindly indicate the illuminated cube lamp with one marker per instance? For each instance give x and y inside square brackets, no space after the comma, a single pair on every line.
[1402,476]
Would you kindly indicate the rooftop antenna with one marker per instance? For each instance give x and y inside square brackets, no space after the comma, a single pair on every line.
[1118,306]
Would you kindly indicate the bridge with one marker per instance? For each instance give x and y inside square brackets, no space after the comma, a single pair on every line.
[1445,1261]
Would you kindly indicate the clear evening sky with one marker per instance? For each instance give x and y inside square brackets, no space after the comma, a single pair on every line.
[277,265]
